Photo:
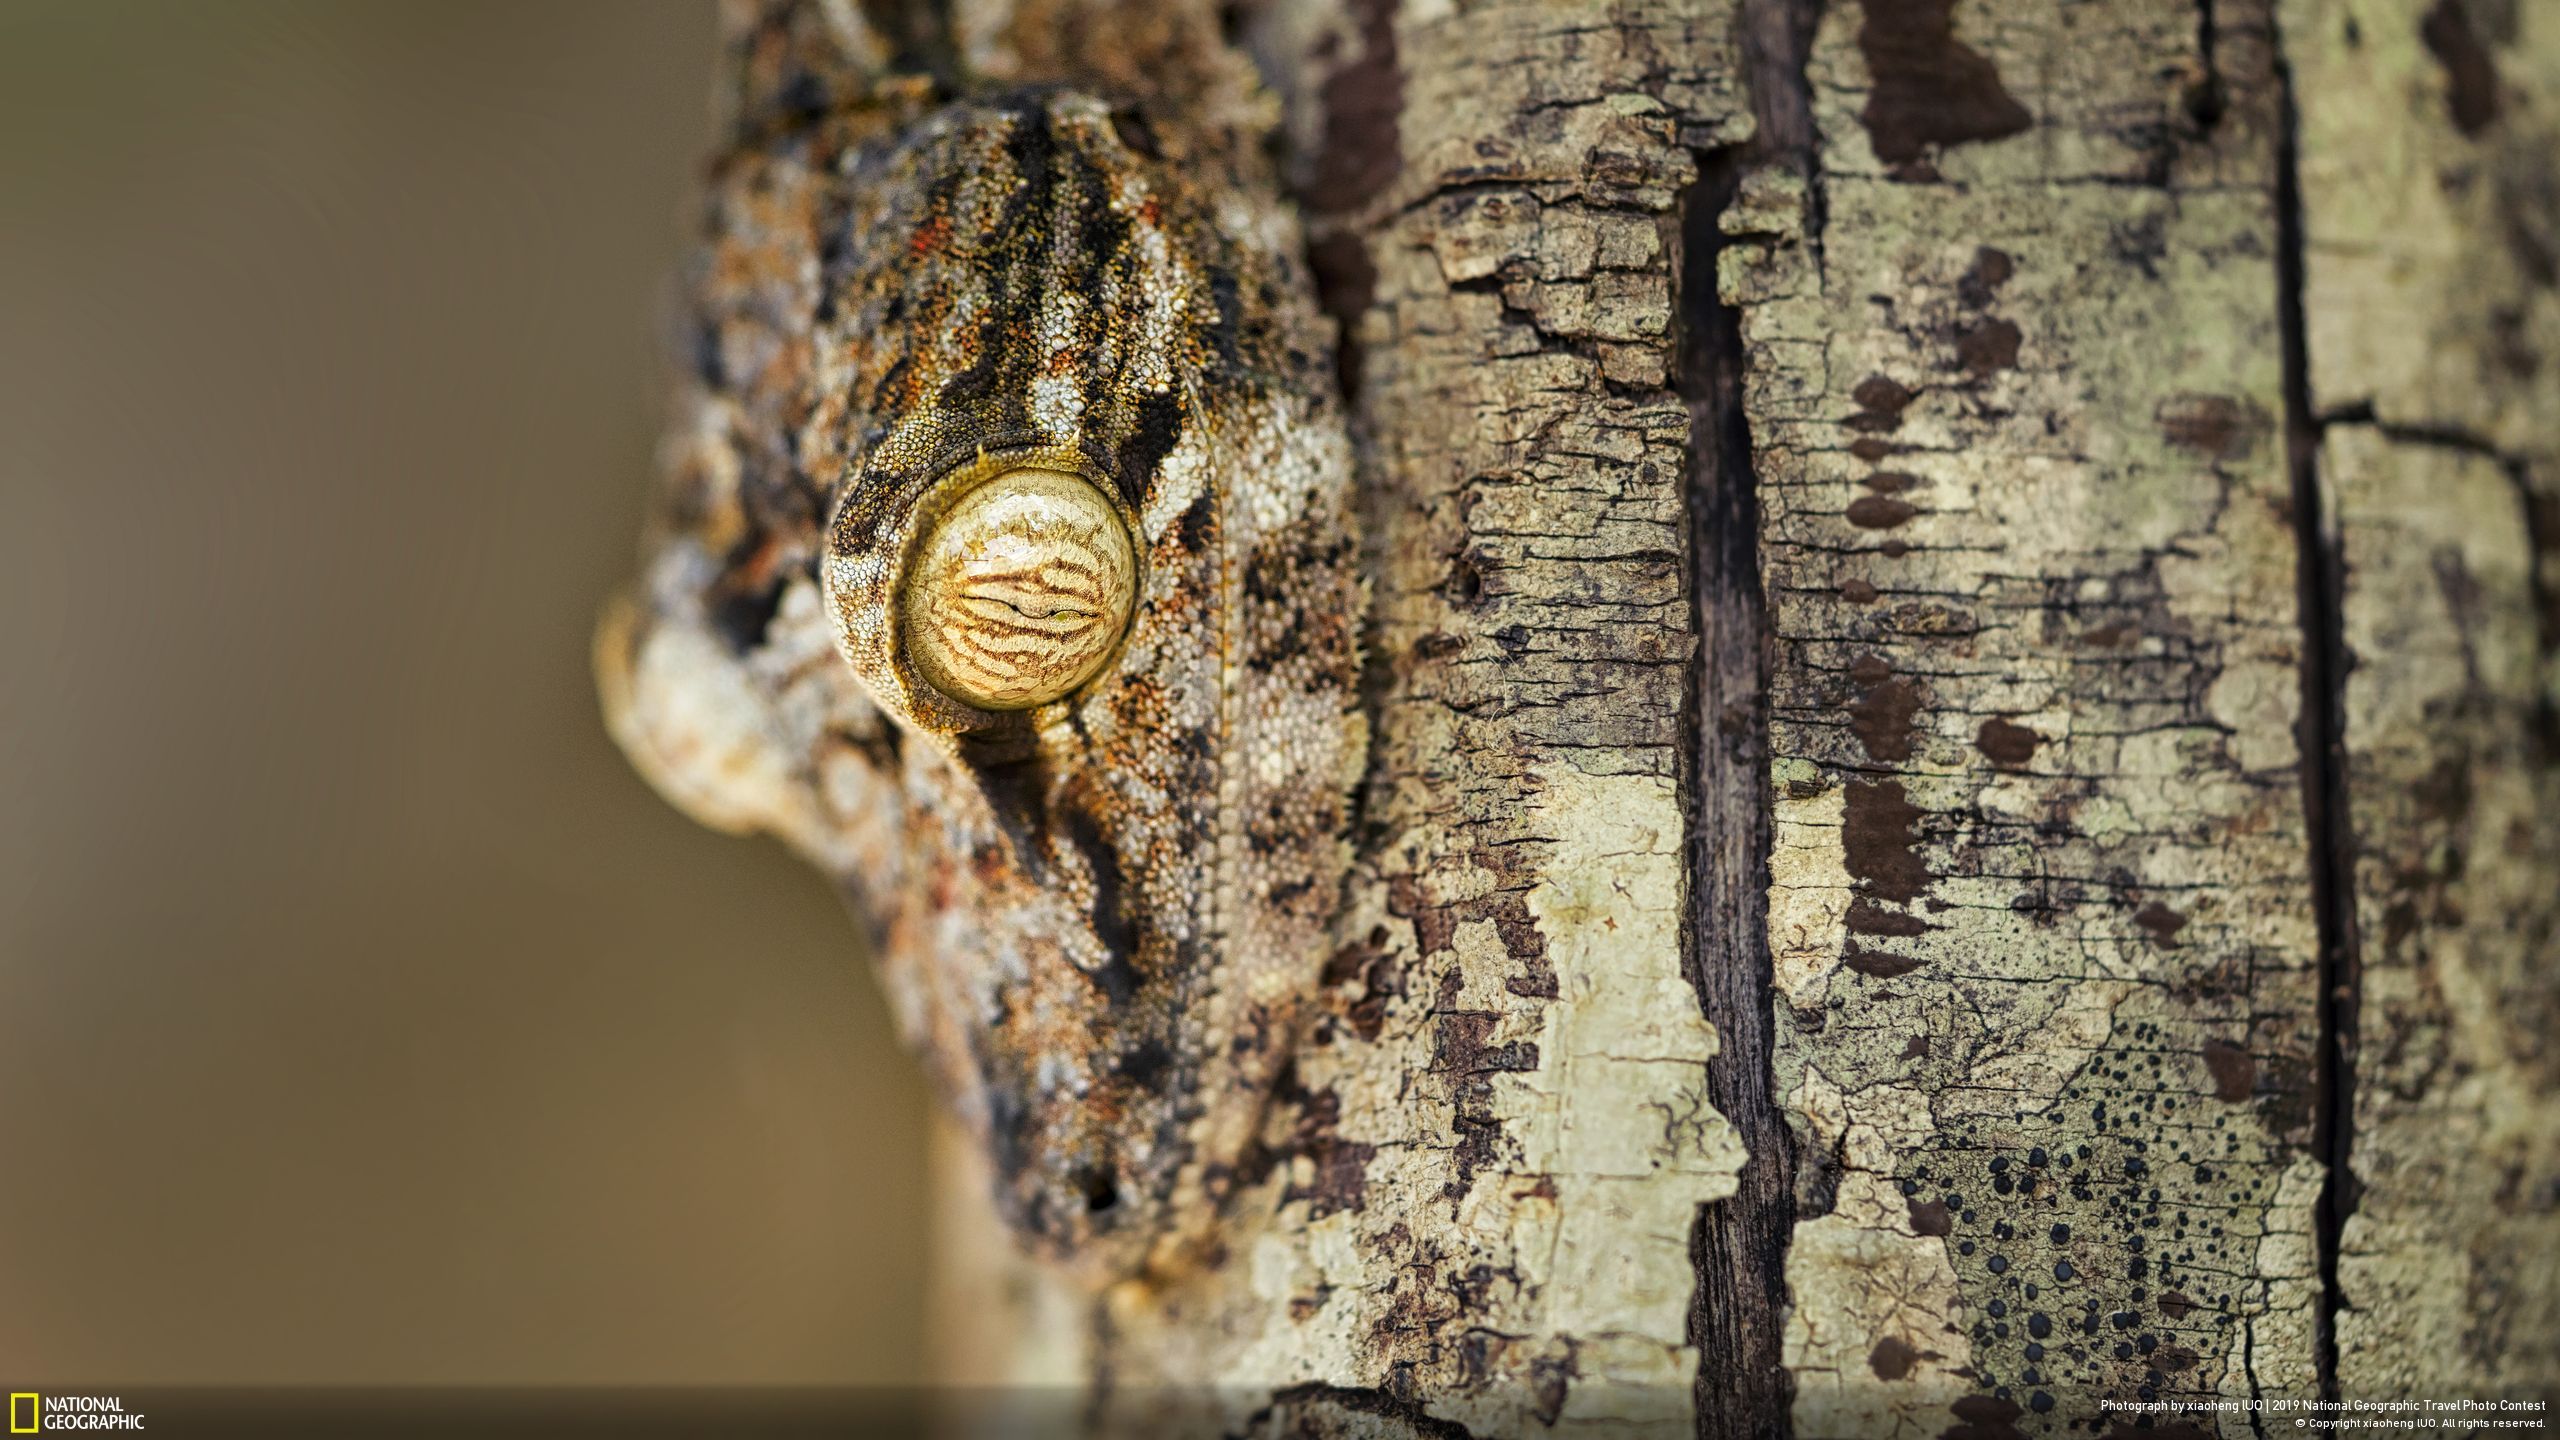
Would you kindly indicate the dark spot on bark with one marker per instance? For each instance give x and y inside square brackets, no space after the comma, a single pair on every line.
[2110,637]
[1881,715]
[2162,922]
[1857,592]
[1381,982]
[1341,1167]
[1361,102]
[2217,427]
[1872,449]
[2235,1071]
[2288,1090]
[1882,393]
[1878,833]
[1461,1045]
[1988,348]
[1868,918]
[2007,744]
[1983,1417]
[1353,961]
[1890,482]
[2175,1306]
[1466,580]
[2445,793]
[2471,77]
[1523,941]
[1880,512]
[1879,964]
[1437,645]
[2399,921]
[1551,1381]
[1880,403]
[2203,99]
[1892,1358]
[1990,270]
[1931,90]
[1916,1048]
[1462,1050]
[1931,1218]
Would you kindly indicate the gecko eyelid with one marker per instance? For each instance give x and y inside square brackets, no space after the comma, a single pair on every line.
[1017,592]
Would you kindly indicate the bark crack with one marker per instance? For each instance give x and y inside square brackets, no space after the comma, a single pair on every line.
[1739,1247]
[2321,581]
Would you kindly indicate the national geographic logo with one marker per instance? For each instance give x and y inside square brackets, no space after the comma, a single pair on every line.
[30,1413]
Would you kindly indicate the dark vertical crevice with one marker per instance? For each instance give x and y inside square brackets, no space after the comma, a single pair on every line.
[1740,1243]
[1739,1247]
[2321,579]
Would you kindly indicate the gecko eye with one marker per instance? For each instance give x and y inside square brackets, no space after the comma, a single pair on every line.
[1018,592]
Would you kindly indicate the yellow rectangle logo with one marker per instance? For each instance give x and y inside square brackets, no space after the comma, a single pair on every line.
[32,1420]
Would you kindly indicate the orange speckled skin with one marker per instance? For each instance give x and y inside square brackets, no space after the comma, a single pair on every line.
[1099,919]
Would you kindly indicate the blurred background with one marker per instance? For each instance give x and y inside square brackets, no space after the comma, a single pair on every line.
[362,1017]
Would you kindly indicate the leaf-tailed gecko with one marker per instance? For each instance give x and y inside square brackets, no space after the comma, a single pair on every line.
[1005,567]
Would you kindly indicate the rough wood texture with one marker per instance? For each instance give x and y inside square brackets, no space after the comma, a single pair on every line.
[2040,904]
[2431,223]
[1937,1006]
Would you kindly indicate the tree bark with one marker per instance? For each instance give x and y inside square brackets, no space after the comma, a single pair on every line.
[1966,792]
[2430,229]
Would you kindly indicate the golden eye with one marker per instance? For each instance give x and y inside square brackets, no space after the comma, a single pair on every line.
[1017,593]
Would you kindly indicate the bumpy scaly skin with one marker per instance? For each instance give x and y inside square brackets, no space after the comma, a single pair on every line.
[1097,919]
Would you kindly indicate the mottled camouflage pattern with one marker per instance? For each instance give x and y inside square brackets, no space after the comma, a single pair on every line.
[1099,919]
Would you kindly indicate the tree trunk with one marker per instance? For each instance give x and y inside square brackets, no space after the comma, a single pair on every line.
[1963,819]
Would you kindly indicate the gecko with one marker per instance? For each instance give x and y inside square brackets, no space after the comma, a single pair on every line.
[1004,565]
